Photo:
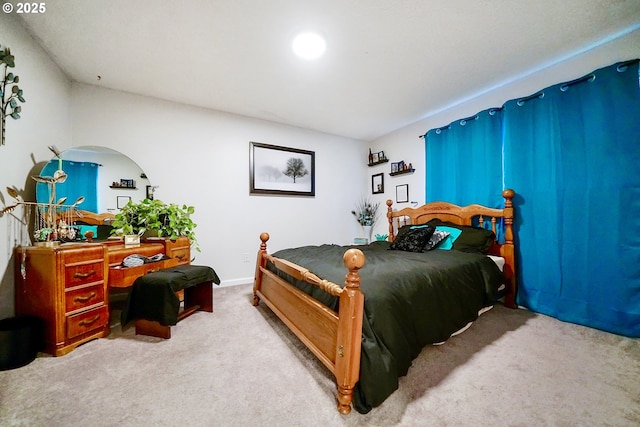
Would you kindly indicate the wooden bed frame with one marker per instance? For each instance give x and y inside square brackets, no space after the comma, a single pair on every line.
[335,338]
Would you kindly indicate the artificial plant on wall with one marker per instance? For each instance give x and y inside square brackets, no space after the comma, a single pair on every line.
[10,93]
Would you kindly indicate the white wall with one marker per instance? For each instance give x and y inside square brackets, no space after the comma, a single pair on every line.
[45,121]
[201,157]
[404,143]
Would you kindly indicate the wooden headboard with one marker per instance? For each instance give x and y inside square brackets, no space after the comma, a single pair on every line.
[465,215]
[91,218]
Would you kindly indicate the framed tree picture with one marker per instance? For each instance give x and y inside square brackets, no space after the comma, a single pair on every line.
[281,170]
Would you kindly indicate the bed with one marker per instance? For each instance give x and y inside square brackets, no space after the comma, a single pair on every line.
[368,322]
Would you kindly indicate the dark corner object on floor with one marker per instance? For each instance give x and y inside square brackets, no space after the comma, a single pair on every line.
[20,340]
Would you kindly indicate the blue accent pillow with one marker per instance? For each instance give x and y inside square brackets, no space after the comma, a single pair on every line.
[454,233]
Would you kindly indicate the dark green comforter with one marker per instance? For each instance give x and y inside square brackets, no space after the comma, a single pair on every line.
[411,300]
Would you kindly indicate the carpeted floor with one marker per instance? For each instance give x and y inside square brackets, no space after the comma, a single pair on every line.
[239,366]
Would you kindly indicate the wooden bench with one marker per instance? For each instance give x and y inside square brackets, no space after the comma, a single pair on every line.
[154,303]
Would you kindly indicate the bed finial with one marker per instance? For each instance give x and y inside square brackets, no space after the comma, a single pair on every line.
[261,262]
[349,333]
[353,259]
[264,237]
[390,219]
[508,193]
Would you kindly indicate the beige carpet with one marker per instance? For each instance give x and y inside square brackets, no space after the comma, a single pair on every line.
[240,367]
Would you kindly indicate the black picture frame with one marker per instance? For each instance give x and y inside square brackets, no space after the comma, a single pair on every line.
[377,183]
[149,194]
[121,201]
[402,193]
[269,166]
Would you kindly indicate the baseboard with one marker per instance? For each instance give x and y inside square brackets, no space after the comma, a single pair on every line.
[235,282]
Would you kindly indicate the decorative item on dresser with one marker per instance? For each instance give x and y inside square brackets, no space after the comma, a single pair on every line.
[154,217]
[417,295]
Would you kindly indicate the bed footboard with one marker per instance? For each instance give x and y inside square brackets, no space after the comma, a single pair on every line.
[335,338]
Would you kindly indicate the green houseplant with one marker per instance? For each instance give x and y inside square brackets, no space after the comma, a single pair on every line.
[156,217]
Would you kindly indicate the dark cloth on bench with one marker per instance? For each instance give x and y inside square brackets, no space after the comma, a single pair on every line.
[153,296]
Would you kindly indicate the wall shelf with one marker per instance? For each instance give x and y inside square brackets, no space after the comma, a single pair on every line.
[115,187]
[379,162]
[402,172]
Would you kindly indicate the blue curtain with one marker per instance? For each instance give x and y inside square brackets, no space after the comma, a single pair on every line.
[82,180]
[572,153]
[473,148]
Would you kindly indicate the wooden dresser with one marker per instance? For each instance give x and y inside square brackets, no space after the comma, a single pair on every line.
[68,285]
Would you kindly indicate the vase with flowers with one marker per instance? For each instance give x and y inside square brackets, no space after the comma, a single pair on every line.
[366,213]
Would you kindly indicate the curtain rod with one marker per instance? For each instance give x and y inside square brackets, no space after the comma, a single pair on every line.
[622,66]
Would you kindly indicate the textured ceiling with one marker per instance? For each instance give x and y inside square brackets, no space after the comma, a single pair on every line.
[388,63]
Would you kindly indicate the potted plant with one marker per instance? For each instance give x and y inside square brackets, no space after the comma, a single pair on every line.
[154,217]
[366,213]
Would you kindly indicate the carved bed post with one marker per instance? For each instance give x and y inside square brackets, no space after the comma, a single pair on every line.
[508,247]
[390,218]
[349,337]
[260,262]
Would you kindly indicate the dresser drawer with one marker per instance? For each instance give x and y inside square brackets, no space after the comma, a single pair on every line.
[183,255]
[123,277]
[78,299]
[83,253]
[82,272]
[87,321]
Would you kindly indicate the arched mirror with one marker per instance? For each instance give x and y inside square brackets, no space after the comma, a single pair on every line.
[106,179]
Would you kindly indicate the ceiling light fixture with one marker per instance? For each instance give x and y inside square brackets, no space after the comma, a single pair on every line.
[308,46]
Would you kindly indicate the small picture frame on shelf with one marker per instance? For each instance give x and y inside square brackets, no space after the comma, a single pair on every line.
[377,183]
[402,193]
[378,157]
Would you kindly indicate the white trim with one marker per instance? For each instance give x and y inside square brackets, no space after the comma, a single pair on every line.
[235,282]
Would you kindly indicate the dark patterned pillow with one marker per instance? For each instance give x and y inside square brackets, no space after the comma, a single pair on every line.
[412,239]
[472,239]
[436,238]
[402,231]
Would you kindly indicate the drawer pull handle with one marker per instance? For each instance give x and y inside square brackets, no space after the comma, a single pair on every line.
[85,299]
[84,275]
[89,321]
[180,256]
